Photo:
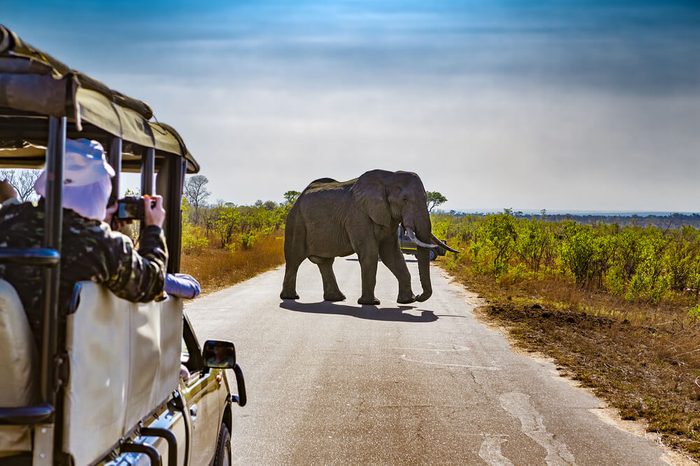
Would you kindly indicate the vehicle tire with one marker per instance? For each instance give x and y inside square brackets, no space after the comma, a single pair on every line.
[223,448]
[433,254]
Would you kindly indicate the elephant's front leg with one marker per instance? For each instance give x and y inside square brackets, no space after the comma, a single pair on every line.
[368,267]
[392,257]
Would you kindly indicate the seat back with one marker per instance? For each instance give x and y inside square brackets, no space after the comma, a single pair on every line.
[18,359]
[124,362]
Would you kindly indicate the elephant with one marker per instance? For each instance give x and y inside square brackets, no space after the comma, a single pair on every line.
[333,219]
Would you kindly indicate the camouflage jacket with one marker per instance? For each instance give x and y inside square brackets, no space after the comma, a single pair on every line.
[90,251]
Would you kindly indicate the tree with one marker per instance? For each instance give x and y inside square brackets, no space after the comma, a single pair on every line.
[290,197]
[196,194]
[23,182]
[228,219]
[435,199]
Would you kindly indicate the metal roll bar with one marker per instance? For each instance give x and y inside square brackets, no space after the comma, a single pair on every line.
[148,170]
[147,450]
[115,160]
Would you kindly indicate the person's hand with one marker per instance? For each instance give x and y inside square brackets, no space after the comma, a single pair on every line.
[109,212]
[110,219]
[154,212]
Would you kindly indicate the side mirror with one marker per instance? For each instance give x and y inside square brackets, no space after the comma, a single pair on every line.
[219,354]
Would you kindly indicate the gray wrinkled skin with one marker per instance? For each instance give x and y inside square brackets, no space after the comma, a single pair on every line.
[334,219]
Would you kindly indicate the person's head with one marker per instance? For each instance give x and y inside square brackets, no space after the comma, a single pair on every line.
[86,179]
[7,191]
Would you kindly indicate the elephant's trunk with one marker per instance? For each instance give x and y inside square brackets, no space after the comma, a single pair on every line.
[423,256]
[423,239]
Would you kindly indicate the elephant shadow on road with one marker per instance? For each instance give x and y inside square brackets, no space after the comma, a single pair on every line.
[355,259]
[393,314]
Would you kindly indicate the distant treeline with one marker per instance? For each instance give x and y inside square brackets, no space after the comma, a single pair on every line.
[673,220]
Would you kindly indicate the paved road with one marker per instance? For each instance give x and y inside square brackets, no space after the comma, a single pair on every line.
[338,383]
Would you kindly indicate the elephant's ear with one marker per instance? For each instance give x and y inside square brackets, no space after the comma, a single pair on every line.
[369,192]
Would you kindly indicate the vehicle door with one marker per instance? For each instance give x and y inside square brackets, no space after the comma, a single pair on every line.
[201,392]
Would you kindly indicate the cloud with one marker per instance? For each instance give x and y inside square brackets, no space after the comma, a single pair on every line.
[558,105]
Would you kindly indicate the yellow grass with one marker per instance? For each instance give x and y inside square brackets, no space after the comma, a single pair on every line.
[219,268]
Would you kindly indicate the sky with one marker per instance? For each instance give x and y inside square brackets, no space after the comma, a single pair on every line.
[567,105]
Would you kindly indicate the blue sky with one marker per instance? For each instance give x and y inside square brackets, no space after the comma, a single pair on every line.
[563,105]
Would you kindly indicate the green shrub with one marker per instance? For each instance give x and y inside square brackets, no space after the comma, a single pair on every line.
[193,239]
[248,240]
[638,263]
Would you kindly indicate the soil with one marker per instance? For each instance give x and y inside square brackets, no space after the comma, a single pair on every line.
[648,369]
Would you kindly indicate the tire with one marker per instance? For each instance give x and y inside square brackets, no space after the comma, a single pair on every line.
[433,254]
[223,448]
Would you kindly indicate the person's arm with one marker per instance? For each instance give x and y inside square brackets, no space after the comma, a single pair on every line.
[139,275]
[182,285]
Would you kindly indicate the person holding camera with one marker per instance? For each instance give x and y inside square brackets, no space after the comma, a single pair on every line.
[90,249]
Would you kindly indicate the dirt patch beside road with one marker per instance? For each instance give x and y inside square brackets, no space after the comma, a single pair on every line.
[636,366]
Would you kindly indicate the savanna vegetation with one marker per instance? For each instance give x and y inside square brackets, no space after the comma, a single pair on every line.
[224,243]
[615,306]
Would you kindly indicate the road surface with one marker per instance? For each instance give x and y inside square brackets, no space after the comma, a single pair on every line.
[339,383]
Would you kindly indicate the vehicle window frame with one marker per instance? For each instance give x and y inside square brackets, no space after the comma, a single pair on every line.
[195,362]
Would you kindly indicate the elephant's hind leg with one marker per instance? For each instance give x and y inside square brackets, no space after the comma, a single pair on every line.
[331,291]
[289,285]
[294,254]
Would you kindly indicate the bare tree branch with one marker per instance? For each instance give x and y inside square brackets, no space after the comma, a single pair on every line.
[23,182]
[196,194]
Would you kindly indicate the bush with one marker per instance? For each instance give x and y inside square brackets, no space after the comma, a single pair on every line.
[638,264]
[193,239]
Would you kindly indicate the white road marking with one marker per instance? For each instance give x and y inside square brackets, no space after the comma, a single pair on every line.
[490,451]
[532,424]
[438,350]
[468,366]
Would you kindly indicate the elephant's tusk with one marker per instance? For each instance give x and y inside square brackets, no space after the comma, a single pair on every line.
[441,244]
[412,237]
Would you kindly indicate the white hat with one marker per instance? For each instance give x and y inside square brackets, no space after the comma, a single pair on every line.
[86,179]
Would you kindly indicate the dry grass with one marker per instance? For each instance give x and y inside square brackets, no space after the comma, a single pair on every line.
[219,268]
[643,359]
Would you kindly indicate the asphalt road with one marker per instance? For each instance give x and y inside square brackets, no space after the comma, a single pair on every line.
[339,383]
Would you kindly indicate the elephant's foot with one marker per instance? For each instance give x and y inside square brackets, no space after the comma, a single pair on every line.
[406,299]
[289,295]
[371,301]
[334,297]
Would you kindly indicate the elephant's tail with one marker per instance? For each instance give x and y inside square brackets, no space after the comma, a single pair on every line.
[294,236]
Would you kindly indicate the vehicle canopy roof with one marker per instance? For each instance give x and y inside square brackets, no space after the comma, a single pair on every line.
[34,86]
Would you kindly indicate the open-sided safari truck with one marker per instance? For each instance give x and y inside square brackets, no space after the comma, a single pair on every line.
[108,383]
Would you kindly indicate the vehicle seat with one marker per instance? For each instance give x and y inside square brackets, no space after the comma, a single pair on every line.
[18,359]
[124,362]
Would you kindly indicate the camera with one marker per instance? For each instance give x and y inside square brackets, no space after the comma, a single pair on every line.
[131,208]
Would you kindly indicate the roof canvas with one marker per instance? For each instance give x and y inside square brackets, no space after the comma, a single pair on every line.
[34,83]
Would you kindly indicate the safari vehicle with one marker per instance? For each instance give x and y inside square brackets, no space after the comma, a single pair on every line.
[408,246]
[114,382]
